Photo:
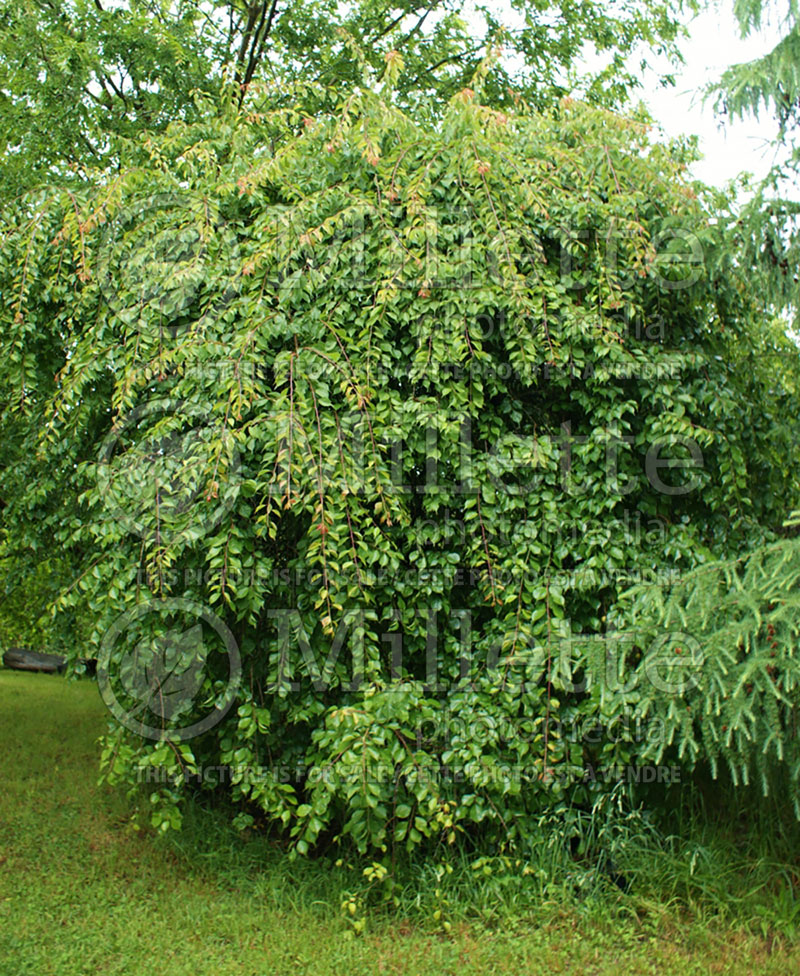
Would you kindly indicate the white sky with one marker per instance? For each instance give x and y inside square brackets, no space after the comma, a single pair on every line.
[714,44]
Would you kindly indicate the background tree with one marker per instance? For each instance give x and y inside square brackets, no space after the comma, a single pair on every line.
[769,86]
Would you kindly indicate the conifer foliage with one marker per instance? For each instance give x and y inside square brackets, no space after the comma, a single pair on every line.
[738,669]
[767,229]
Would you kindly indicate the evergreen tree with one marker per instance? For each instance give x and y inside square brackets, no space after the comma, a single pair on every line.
[769,223]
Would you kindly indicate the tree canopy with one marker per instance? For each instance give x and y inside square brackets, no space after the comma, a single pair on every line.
[385,409]
[78,78]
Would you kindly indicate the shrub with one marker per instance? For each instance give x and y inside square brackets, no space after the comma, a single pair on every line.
[379,414]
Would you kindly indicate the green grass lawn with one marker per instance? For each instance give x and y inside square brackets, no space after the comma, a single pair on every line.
[83,892]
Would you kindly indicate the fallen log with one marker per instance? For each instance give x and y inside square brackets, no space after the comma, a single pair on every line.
[24,659]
